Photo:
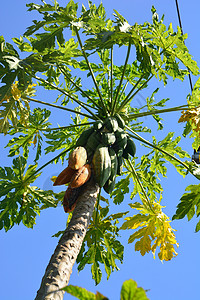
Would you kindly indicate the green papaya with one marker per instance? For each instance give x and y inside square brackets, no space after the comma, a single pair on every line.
[101,165]
[114,164]
[93,141]
[98,125]
[109,186]
[120,164]
[121,140]
[130,147]
[111,124]
[108,138]
[82,140]
[120,121]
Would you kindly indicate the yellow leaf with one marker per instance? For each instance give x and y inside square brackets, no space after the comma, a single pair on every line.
[53,178]
[144,244]
[15,91]
[135,221]
[192,116]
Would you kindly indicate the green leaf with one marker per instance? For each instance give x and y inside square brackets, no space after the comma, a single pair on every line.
[32,135]
[188,202]
[21,202]
[47,40]
[130,291]
[103,245]
[96,272]
[79,292]
[121,188]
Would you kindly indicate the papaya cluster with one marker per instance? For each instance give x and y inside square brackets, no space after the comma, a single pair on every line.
[107,144]
[77,173]
[100,149]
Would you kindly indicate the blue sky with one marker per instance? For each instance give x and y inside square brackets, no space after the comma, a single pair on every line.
[26,252]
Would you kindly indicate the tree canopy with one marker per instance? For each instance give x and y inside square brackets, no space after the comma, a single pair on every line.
[71,40]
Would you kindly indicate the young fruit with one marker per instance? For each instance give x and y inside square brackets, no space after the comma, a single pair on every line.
[108,138]
[109,186]
[111,124]
[121,140]
[130,147]
[65,176]
[82,140]
[77,158]
[114,164]
[101,164]
[120,121]
[98,125]
[81,176]
[93,141]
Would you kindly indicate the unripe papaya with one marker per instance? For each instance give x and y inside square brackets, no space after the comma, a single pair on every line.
[130,147]
[114,164]
[120,121]
[108,138]
[98,125]
[101,164]
[82,140]
[109,186]
[121,140]
[111,124]
[93,141]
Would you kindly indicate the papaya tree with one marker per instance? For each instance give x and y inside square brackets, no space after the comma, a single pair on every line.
[97,144]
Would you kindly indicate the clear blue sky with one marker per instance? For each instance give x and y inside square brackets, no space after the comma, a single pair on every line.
[25,252]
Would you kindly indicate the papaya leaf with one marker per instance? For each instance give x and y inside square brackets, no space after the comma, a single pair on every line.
[21,202]
[121,188]
[189,205]
[38,121]
[103,246]
[79,292]
[130,291]
[155,231]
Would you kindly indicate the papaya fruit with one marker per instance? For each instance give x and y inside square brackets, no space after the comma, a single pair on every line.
[77,158]
[121,140]
[93,141]
[125,153]
[70,199]
[130,147]
[108,138]
[109,186]
[65,176]
[114,164]
[101,163]
[82,140]
[120,164]
[98,125]
[81,176]
[120,121]
[111,124]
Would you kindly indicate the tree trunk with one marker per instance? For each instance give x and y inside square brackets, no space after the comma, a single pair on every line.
[59,269]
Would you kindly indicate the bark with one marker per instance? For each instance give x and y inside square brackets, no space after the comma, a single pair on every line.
[59,269]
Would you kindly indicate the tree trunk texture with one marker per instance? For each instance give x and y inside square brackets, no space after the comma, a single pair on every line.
[59,269]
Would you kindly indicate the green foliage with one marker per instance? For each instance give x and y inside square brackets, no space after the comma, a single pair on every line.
[21,202]
[101,245]
[189,205]
[52,52]
[31,135]
[129,291]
